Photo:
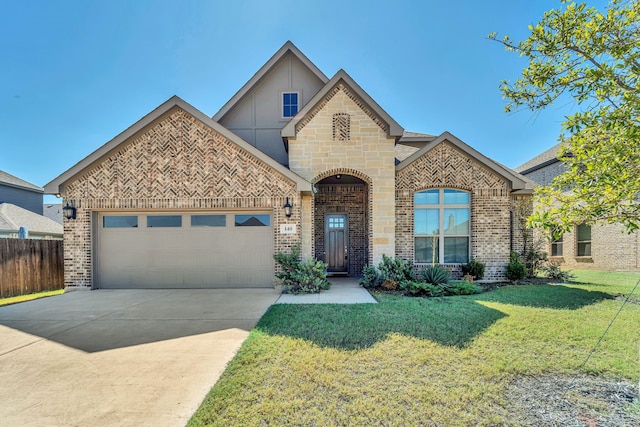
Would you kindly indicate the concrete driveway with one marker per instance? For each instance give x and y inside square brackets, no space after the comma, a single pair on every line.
[126,357]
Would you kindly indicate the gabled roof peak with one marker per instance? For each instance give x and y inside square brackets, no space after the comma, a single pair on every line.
[286,48]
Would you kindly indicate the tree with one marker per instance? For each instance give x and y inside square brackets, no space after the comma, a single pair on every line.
[593,57]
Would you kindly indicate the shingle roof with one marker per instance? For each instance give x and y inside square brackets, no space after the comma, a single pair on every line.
[403,151]
[407,134]
[53,211]
[547,157]
[14,181]
[13,217]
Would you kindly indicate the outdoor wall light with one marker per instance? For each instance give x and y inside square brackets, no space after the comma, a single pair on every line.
[287,208]
[69,212]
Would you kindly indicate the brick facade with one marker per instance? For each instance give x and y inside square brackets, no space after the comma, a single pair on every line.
[445,166]
[177,163]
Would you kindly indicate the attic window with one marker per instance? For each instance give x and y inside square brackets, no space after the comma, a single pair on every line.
[341,127]
[289,104]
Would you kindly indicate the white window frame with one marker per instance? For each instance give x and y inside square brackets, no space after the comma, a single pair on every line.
[282,94]
[584,242]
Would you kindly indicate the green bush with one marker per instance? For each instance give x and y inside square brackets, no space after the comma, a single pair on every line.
[301,277]
[516,270]
[474,268]
[435,275]
[533,259]
[460,287]
[394,270]
[370,277]
[421,289]
[552,270]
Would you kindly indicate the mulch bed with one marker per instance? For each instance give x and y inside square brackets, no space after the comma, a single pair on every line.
[578,401]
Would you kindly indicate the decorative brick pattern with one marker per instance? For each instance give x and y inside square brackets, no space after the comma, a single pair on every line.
[178,163]
[350,199]
[447,167]
[341,127]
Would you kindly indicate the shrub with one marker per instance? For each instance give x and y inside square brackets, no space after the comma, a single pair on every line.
[393,271]
[435,275]
[533,259]
[552,270]
[370,277]
[516,270]
[413,288]
[474,268]
[301,277]
[460,287]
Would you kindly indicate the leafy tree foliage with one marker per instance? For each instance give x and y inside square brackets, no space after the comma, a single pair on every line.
[594,57]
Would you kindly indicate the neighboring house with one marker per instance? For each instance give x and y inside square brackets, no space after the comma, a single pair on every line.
[603,247]
[181,199]
[20,193]
[13,217]
[53,211]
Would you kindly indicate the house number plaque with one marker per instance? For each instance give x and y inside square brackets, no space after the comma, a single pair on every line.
[287,228]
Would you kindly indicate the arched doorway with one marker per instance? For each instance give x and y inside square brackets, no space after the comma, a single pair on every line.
[341,223]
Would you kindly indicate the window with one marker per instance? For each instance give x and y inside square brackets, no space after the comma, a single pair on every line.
[119,221]
[583,233]
[253,220]
[556,246]
[164,221]
[289,104]
[441,226]
[208,220]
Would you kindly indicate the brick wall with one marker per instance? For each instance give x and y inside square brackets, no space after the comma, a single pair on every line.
[445,166]
[352,200]
[178,163]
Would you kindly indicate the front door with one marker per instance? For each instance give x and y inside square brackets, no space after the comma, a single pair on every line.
[336,242]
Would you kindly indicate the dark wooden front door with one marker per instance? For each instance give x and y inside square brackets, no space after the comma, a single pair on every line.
[336,242]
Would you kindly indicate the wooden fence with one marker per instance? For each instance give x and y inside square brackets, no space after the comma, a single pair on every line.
[28,266]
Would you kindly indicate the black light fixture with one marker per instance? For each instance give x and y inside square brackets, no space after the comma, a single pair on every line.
[287,208]
[69,212]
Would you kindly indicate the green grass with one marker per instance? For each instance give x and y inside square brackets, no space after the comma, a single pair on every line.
[412,361]
[29,297]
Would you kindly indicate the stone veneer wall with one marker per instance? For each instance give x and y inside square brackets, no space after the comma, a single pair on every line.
[445,166]
[367,154]
[352,200]
[178,163]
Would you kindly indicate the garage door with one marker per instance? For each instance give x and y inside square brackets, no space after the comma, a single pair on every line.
[184,250]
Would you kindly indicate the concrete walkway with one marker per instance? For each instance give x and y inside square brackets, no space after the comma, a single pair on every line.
[120,358]
[344,290]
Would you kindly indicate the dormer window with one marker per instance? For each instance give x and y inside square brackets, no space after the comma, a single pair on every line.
[289,104]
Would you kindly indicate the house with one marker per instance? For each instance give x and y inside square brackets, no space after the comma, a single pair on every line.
[182,199]
[601,247]
[53,211]
[20,193]
[13,217]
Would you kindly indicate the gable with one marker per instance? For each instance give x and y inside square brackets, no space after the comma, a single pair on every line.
[179,157]
[447,166]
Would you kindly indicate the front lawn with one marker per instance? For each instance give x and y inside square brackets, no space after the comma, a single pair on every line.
[442,361]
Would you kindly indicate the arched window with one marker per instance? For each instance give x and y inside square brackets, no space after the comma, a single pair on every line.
[441,226]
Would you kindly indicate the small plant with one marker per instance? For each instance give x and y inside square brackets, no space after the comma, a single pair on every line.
[420,289]
[370,277]
[516,270]
[301,277]
[474,268]
[534,258]
[552,271]
[435,275]
[393,271]
[460,287]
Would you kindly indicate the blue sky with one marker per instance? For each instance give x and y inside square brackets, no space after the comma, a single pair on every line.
[75,74]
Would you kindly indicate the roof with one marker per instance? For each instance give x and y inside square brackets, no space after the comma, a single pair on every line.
[56,185]
[403,151]
[253,81]
[394,129]
[13,217]
[518,182]
[14,181]
[541,160]
[53,211]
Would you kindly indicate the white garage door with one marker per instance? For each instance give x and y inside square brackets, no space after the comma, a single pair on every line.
[184,250]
